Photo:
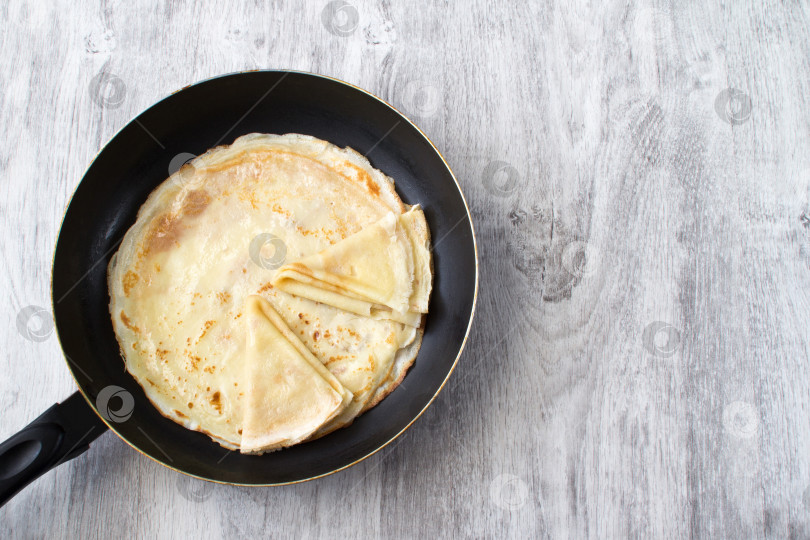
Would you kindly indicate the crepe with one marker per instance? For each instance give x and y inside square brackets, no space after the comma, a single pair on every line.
[379,272]
[289,393]
[216,233]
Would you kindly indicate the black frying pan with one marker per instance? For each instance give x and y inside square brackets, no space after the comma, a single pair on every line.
[104,206]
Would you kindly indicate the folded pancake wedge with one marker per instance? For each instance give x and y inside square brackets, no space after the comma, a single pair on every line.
[381,272]
[288,392]
[413,222]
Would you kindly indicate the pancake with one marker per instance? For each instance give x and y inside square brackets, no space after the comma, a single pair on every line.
[288,392]
[216,233]
[378,272]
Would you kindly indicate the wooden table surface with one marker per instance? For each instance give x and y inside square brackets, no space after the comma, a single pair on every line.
[639,178]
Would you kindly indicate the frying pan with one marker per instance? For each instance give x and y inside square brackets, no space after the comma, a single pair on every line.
[104,206]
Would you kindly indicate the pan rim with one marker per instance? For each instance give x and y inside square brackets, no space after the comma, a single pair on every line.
[367,455]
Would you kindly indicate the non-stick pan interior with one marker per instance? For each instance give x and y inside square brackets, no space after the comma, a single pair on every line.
[215,112]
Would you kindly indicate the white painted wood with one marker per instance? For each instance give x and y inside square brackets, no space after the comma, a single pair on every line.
[638,365]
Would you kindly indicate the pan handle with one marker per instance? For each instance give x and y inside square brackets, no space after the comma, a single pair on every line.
[61,433]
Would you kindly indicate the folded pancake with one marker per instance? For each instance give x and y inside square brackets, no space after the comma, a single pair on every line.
[381,272]
[289,393]
[181,277]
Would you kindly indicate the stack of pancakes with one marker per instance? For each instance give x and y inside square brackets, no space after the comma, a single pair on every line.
[270,291]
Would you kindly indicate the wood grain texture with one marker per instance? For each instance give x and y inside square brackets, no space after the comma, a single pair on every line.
[638,364]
